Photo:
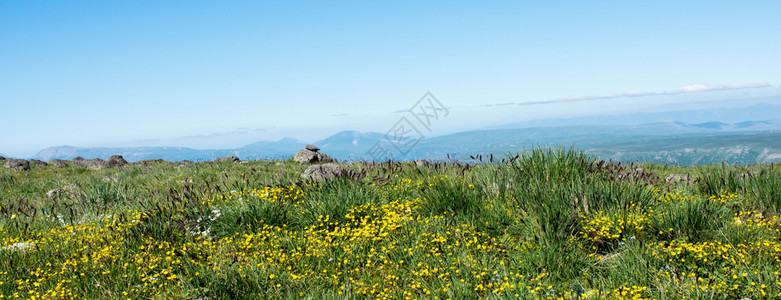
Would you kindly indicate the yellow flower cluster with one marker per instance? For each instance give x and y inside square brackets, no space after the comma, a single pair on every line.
[624,292]
[612,227]
[679,196]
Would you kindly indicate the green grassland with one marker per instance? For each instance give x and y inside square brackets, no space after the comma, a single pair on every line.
[549,223]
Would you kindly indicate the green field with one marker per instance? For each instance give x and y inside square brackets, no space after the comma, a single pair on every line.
[549,223]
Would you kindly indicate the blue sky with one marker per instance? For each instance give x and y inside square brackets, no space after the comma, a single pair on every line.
[216,75]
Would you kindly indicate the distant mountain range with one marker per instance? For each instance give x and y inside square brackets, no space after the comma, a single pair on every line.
[743,135]
[668,142]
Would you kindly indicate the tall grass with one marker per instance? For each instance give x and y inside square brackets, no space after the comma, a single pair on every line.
[546,223]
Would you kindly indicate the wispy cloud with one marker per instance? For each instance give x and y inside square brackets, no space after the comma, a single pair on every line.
[697,88]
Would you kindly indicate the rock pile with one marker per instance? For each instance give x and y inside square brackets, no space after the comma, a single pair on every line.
[310,155]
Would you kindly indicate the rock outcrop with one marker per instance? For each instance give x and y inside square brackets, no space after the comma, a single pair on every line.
[324,171]
[79,161]
[58,163]
[17,164]
[97,163]
[115,161]
[36,162]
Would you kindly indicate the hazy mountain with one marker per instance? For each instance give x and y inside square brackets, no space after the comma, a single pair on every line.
[664,142]
[350,138]
[130,154]
[349,144]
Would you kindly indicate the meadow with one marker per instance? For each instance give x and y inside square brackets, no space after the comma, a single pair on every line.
[545,224]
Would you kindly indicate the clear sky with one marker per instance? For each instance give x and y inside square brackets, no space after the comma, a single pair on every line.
[224,74]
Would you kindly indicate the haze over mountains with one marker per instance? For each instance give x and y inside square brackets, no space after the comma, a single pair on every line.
[744,135]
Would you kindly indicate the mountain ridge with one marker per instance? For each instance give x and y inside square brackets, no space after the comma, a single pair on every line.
[354,145]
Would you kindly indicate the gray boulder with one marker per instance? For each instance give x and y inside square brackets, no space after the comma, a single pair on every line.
[311,147]
[115,161]
[52,193]
[68,190]
[229,158]
[36,162]
[58,163]
[17,164]
[322,157]
[2,158]
[95,164]
[306,156]
[324,171]
[421,162]
[79,161]
[679,178]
